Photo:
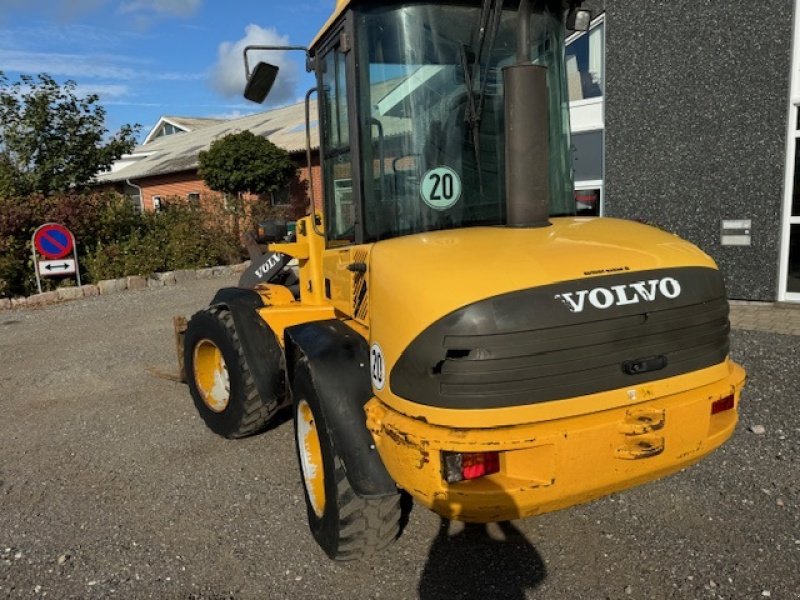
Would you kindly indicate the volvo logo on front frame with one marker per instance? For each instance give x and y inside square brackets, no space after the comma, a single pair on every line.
[603,298]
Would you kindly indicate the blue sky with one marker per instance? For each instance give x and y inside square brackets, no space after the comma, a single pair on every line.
[147,58]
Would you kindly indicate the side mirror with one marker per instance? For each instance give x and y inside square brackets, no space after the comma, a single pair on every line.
[273,230]
[260,82]
[579,19]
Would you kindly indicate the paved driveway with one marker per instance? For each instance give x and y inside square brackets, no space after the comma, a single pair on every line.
[110,486]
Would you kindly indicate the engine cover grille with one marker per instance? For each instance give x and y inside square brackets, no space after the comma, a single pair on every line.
[568,339]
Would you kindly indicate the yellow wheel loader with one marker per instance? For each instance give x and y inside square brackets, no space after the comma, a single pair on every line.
[452,332]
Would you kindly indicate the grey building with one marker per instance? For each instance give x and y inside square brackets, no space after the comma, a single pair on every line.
[685,115]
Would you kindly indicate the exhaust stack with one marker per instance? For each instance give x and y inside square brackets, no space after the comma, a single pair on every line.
[526,131]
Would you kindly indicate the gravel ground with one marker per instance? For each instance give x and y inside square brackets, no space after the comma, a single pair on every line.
[111,486]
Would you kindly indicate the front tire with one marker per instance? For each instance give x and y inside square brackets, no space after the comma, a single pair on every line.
[220,381]
[345,525]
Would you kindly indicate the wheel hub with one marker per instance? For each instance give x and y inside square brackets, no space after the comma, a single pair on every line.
[310,450]
[211,376]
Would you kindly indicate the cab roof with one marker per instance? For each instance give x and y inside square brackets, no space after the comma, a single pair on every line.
[343,5]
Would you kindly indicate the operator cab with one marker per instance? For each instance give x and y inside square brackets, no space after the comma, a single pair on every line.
[413,114]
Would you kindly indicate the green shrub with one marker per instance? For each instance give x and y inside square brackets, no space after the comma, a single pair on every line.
[134,256]
[113,240]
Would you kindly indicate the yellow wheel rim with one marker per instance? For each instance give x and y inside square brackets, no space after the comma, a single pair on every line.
[311,457]
[211,376]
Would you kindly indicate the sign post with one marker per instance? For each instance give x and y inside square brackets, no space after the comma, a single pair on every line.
[54,243]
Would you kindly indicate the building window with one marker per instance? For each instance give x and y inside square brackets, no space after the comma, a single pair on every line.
[789,287]
[586,80]
[587,155]
[280,197]
[136,202]
[158,203]
[587,164]
[585,69]
[588,200]
[193,198]
[789,274]
[168,129]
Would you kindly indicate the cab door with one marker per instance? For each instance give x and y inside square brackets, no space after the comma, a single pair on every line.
[344,261]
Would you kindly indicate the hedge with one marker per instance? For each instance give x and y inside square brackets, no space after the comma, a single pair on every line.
[113,239]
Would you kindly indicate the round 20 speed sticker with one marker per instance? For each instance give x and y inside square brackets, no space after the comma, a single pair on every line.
[441,188]
[377,367]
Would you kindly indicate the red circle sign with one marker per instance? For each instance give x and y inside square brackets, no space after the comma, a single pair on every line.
[53,241]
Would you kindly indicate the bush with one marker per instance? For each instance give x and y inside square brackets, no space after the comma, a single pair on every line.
[181,236]
[113,240]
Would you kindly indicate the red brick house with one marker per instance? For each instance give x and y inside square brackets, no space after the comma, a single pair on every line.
[165,164]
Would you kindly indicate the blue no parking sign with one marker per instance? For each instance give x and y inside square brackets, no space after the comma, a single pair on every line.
[54,242]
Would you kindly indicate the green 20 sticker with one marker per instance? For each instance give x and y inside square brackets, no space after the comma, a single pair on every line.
[441,188]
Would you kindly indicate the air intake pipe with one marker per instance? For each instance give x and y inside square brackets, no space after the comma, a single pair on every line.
[526,132]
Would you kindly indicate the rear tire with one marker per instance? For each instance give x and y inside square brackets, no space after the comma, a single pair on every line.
[345,525]
[220,381]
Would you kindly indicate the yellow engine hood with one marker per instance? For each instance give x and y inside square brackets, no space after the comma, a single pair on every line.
[417,280]
[424,277]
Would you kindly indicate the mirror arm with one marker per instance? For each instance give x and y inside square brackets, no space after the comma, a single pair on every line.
[253,48]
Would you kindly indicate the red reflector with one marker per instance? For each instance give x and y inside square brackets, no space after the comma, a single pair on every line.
[469,465]
[479,464]
[723,404]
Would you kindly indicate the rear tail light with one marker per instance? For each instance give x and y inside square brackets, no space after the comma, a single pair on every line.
[723,404]
[460,466]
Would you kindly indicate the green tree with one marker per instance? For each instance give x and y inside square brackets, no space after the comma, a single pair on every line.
[246,163]
[52,139]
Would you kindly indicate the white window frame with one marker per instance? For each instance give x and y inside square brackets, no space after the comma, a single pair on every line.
[599,100]
[792,137]
[594,184]
[590,114]
[157,203]
[273,196]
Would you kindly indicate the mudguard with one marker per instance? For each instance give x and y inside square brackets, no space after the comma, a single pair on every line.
[338,360]
[261,350]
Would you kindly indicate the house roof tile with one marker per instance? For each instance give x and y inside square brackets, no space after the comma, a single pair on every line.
[284,127]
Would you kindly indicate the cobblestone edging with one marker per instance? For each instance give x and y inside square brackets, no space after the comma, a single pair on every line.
[762,316]
[115,286]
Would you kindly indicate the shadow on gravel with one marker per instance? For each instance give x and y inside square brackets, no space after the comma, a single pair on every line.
[474,563]
[282,417]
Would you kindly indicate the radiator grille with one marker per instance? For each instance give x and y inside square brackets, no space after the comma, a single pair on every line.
[519,349]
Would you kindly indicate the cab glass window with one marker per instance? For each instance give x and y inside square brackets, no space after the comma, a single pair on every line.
[336,151]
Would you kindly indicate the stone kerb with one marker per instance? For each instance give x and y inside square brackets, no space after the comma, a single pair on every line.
[115,286]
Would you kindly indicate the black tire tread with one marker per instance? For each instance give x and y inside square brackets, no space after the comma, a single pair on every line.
[367,525]
[256,413]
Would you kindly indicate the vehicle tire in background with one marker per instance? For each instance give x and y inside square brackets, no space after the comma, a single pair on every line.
[347,526]
[220,381]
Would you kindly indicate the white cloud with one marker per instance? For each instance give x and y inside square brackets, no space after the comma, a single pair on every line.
[140,14]
[228,76]
[66,65]
[104,90]
[63,9]
[113,91]
[65,35]
[87,66]
[233,114]
[178,8]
